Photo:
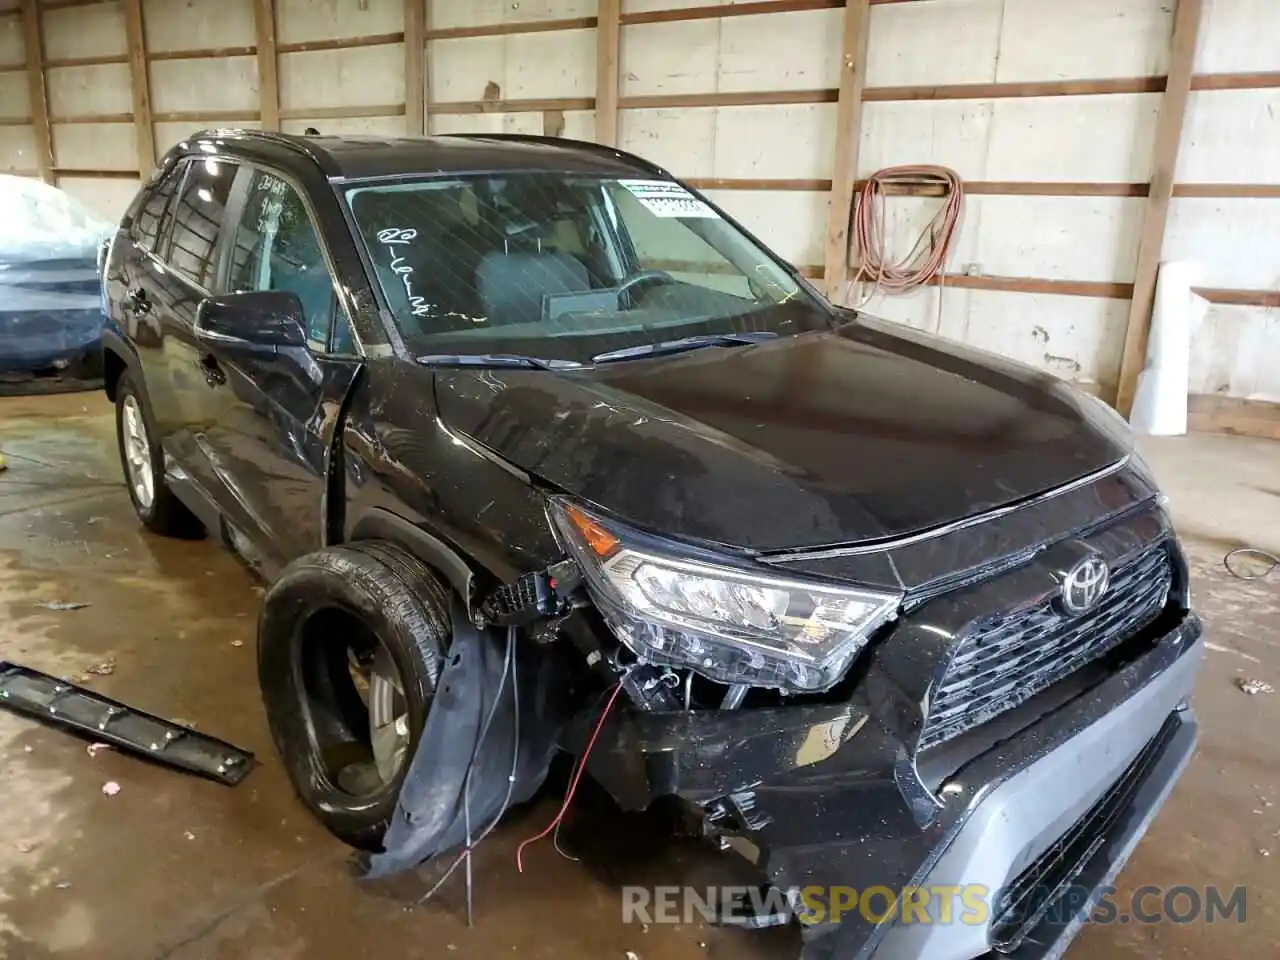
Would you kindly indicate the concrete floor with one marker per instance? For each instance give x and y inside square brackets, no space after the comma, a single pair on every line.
[177,867]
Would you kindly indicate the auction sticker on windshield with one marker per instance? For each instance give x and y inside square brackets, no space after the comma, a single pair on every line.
[665,199]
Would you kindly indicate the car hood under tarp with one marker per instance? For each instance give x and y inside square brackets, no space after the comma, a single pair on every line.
[868,432]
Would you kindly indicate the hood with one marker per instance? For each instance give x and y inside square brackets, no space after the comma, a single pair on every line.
[869,432]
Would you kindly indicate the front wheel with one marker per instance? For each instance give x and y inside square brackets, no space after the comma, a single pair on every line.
[351,644]
[156,505]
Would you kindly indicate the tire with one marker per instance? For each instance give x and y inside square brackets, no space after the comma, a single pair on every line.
[164,514]
[329,598]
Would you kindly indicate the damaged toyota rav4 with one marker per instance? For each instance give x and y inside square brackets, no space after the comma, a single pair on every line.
[540,451]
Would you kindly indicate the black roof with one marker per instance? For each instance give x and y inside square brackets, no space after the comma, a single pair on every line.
[369,156]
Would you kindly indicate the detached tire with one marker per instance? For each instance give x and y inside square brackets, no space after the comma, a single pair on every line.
[142,462]
[326,611]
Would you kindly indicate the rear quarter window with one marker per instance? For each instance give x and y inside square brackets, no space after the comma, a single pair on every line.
[145,230]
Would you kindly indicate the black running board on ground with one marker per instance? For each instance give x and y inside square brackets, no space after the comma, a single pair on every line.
[55,701]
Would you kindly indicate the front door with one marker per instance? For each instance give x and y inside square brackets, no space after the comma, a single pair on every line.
[266,421]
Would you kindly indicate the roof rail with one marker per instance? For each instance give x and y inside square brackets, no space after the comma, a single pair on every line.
[563,141]
[287,140]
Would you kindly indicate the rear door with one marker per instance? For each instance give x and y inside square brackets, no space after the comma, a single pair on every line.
[163,289]
[266,421]
[136,285]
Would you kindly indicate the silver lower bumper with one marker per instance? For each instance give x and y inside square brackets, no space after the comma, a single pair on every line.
[1023,816]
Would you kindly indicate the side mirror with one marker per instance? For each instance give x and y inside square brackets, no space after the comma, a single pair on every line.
[260,318]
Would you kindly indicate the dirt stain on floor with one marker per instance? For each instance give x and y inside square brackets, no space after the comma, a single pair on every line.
[185,869]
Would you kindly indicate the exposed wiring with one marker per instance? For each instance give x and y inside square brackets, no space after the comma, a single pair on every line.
[465,854]
[573,782]
[555,837]
[1266,556]
[928,255]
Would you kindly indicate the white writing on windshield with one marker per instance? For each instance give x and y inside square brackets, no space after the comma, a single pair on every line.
[393,237]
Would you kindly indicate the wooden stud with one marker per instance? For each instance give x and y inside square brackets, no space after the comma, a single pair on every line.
[39,96]
[853,71]
[136,38]
[264,16]
[608,38]
[1173,109]
[415,67]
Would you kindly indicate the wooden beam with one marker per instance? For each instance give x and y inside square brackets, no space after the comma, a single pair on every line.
[1015,90]
[608,37]
[415,67]
[201,53]
[85,61]
[1240,298]
[136,38]
[1215,414]
[341,43]
[515,26]
[853,72]
[733,98]
[334,113]
[36,89]
[512,106]
[264,16]
[1173,109]
[717,11]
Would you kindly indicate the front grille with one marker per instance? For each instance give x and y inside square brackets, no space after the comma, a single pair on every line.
[1041,886]
[1011,657]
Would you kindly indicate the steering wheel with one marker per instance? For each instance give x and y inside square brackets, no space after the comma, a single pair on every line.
[644,278]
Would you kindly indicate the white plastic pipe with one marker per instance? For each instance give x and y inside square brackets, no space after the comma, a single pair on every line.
[1160,404]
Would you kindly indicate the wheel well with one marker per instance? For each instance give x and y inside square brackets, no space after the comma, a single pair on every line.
[378,524]
[113,367]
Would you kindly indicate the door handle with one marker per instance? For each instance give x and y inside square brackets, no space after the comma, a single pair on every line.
[213,374]
[136,300]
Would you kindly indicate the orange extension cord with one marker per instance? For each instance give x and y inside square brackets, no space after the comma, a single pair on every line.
[928,256]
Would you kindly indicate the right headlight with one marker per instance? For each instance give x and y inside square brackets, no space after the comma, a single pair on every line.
[728,624]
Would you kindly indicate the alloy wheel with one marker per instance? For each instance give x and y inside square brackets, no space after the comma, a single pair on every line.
[137,453]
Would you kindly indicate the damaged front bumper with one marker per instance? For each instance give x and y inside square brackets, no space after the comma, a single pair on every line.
[831,797]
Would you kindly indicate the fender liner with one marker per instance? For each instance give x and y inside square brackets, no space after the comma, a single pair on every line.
[429,817]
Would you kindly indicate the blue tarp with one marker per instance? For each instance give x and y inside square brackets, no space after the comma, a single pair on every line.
[50,293]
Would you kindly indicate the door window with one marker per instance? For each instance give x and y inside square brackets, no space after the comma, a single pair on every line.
[146,225]
[197,219]
[277,248]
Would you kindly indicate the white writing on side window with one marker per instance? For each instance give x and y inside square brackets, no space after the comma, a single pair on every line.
[393,237]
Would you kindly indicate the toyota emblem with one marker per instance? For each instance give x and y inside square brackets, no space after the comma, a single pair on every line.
[1085,584]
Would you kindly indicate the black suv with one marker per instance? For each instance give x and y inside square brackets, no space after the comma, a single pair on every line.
[540,450]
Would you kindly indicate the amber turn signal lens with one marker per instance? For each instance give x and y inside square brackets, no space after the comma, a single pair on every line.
[600,540]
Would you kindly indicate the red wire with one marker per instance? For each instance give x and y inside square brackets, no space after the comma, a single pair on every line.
[573,783]
[929,254]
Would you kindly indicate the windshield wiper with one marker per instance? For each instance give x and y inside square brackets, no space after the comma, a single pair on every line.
[683,344]
[495,360]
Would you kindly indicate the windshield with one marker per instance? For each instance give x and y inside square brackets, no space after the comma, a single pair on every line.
[567,268]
